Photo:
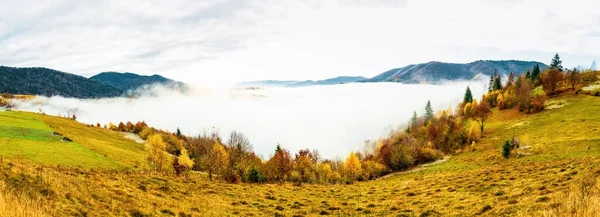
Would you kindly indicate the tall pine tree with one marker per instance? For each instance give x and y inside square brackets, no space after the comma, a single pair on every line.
[528,74]
[428,112]
[491,85]
[498,83]
[413,120]
[556,63]
[468,96]
[535,74]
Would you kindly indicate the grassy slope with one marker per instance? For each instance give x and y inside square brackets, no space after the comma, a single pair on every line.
[29,136]
[564,142]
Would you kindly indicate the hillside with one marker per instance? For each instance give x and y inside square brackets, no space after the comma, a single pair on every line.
[434,72]
[130,81]
[49,82]
[39,138]
[477,181]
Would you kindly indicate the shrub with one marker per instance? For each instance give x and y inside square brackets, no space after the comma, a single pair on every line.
[537,104]
[506,149]
[256,176]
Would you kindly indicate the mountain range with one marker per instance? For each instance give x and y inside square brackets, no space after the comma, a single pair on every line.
[425,73]
[50,82]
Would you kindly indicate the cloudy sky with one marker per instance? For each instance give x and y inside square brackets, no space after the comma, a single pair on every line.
[221,42]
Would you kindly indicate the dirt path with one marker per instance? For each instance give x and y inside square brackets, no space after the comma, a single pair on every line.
[418,168]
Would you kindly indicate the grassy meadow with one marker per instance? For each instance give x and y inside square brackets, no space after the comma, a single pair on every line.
[101,173]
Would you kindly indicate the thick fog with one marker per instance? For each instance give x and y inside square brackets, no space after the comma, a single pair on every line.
[333,119]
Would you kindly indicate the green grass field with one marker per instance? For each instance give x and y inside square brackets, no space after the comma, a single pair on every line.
[564,146]
[29,137]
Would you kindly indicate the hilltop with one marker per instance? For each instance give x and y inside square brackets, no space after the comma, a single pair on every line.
[129,81]
[50,82]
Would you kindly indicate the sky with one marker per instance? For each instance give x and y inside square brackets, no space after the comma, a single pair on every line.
[217,43]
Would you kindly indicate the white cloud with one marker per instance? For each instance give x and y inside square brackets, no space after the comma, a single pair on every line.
[220,42]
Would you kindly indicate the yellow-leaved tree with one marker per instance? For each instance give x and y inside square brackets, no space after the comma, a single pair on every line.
[217,160]
[352,167]
[183,163]
[158,158]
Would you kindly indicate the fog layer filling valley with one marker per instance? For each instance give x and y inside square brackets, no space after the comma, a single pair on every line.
[333,119]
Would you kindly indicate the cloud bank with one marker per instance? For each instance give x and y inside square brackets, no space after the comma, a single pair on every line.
[333,119]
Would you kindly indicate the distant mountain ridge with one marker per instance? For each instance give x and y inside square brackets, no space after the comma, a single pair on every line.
[292,83]
[50,82]
[435,72]
[129,81]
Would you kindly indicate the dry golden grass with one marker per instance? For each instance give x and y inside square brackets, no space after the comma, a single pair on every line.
[18,205]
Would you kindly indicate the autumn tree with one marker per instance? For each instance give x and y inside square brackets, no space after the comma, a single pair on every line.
[325,173]
[128,127]
[524,95]
[556,63]
[183,163]
[482,112]
[372,169]
[573,77]
[216,160]
[279,165]
[121,127]
[468,96]
[304,164]
[352,167]
[239,149]
[112,126]
[158,158]
[551,80]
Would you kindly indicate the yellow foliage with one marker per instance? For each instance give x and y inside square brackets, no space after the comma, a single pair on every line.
[325,172]
[112,126]
[217,159]
[499,98]
[474,132]
[157,156]
[184,159]
[372,169]
[467,109]
[146,132]
[352,167]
